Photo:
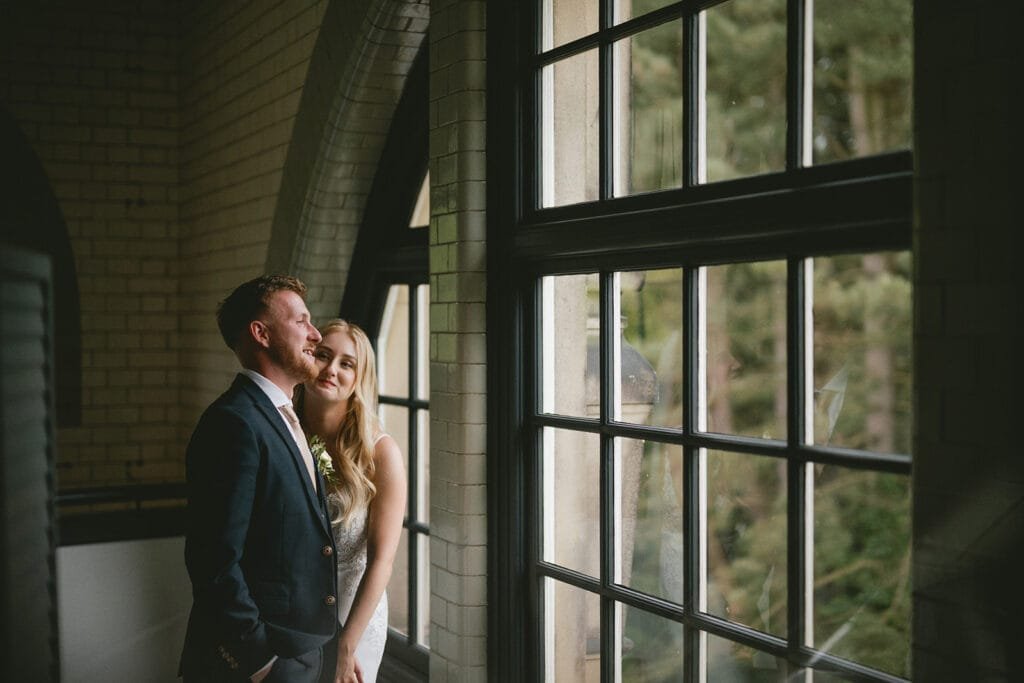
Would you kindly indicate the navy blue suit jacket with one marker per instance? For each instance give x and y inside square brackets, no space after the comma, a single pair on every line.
[258,548]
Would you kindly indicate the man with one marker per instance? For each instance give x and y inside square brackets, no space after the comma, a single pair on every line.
[258,547]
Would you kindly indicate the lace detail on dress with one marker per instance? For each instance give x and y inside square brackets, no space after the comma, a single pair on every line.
[351,545]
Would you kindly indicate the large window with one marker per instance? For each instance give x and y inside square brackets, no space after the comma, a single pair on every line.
[713,241]
[403,355]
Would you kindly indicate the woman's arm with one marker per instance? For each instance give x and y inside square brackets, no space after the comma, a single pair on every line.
[383,531]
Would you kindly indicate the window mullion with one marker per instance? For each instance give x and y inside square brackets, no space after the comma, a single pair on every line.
[799,53]
[798,352]
[693,99]
[692,514]
[413,474]
[607,398]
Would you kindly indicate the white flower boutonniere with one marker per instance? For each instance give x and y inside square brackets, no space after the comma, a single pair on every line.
[323,459]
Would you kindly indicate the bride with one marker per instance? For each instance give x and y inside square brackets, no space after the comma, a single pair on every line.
[365,491]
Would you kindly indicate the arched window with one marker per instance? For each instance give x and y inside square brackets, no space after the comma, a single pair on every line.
[387,293]
[31,218]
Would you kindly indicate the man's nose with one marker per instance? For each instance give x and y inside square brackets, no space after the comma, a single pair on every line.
[314,334]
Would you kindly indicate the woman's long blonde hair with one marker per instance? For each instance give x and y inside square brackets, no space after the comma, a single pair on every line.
[352,450]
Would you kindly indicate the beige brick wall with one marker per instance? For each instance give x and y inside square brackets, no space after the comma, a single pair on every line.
[458,551]
[243,66]
[968,470]
[163,130]
[95,91]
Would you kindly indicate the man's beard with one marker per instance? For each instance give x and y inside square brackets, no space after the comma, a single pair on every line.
[297,364]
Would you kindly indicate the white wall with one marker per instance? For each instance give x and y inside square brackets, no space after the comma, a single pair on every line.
[123,608]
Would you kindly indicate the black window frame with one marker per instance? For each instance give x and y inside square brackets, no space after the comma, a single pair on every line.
[804,211]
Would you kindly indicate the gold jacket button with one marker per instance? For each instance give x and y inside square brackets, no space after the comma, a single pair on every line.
[327,551]
[330,600]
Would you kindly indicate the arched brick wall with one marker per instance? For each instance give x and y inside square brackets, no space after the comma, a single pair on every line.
[356,75]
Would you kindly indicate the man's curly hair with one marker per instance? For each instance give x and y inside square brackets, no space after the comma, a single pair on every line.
[249,301]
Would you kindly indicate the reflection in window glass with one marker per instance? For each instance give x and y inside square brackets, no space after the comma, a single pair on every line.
[746,349]
[863,66]
[729,662]
[746,88]
[862,566]
[569,144]
[648,110]
[650,532]
[862,336]
[572,504]
[572,637]
[652,647]
[746,540]
[569,358]
[651,348]
[564,21]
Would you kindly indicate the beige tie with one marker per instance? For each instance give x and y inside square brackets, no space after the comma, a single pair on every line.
[300,439]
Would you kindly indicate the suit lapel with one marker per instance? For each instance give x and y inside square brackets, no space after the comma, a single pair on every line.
[276,420]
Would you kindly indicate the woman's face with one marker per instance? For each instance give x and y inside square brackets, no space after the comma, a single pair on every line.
[336,361]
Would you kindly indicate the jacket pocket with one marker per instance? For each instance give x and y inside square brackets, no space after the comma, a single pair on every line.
[271,597]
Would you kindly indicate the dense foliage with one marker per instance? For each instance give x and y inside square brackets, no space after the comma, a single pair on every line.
[861,349]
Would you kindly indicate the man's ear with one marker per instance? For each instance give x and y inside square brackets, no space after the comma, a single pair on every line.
[260,333]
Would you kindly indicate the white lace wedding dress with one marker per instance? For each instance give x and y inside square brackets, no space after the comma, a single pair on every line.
[351,543]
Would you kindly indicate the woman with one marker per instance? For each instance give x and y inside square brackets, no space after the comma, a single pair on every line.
[366,491]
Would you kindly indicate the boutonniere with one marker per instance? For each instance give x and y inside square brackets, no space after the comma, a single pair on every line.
[322,458]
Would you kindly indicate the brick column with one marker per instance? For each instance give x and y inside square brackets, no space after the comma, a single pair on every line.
[968,469]
[458,552]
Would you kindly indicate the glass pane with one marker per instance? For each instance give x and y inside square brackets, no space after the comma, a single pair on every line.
[393,344]
[627,9]
[572,634]
[570,153]
[395,421]
[729,662]
[862,334]
[648,110]
[651,372]
[746,88]
[423,589]
[567,20]
[746,349]
[652,648]
[746,540]
[423,342]
[398,588]
[569,358]
[572,503]
[862,588]
[423,465]
[863,73]
[650,516]
[421,210]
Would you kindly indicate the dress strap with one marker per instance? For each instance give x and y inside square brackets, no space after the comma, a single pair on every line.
[379,437]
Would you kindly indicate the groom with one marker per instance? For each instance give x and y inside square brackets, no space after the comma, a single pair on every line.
[258,547]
